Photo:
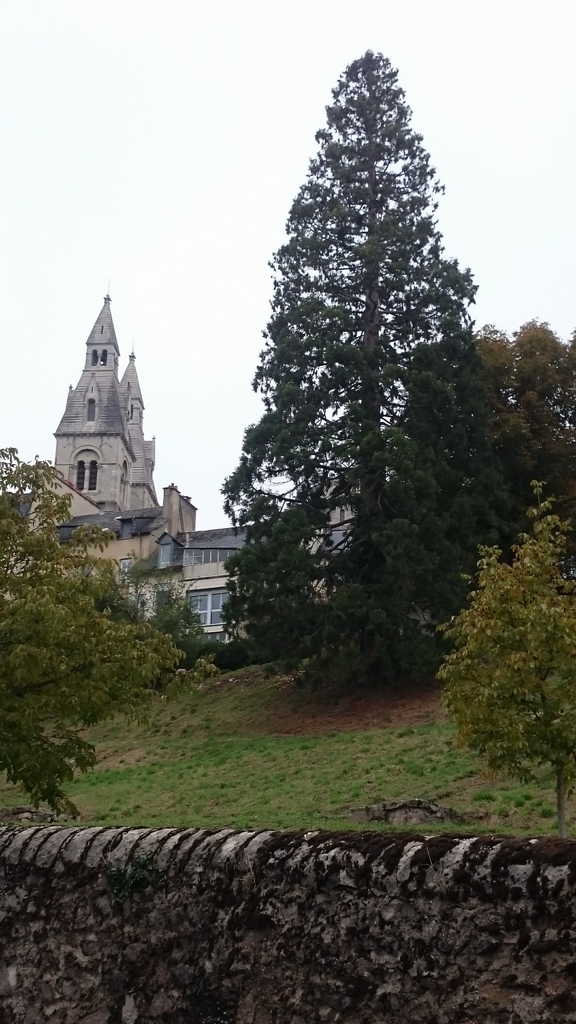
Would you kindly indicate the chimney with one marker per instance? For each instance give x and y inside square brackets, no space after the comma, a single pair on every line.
[179,512]
[171,509]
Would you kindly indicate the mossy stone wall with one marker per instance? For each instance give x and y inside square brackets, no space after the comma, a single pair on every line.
[186,926]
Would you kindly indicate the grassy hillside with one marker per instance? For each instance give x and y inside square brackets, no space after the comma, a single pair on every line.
[252,751]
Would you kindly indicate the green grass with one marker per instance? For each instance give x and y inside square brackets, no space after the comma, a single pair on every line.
[278,782]
[213,760]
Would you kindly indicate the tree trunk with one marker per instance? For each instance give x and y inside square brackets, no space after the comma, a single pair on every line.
[561,802]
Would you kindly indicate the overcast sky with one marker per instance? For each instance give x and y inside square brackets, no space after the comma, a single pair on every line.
[159,144]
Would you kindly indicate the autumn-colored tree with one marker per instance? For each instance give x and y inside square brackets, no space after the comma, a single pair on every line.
[530,380]
[511,676]
[64,664]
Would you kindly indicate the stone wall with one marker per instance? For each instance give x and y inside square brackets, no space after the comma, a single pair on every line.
[126,926]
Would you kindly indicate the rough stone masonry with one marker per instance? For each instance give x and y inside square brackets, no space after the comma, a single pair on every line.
[126,926]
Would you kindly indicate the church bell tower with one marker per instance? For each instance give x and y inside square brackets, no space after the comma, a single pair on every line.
[100,445]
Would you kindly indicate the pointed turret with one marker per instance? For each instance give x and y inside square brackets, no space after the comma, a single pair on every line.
[130,380]
[143,465]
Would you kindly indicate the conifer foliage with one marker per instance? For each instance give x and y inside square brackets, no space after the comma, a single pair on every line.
[368,482]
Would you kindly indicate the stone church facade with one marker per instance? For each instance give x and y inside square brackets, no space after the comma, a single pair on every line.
[106,463]
[100,443]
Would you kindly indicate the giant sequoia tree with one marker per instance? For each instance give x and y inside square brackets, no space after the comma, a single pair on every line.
[374,410]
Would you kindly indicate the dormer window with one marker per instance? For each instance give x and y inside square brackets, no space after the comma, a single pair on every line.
[91,410]
[126,528]
[94,357]
[104,357]
[165,553]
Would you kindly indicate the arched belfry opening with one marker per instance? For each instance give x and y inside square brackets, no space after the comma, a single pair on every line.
[86,475]
[93,475]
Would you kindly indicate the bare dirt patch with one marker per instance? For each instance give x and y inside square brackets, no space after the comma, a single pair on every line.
[126,757]
[294,710]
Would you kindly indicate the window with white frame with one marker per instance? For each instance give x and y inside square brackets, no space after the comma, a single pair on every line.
[208,605]
[192,557]
[217,603]
[165,553]
[126,564]
[203,556]
[199,604]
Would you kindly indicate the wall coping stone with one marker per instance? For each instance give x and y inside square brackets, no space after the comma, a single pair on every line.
[398,856]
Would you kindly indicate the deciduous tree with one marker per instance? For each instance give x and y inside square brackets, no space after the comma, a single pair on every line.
[511,677]
[64,665]
[144,594]
[174,617]
[531,385]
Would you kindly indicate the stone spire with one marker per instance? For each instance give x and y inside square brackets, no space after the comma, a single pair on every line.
[102,345]
[98,383]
